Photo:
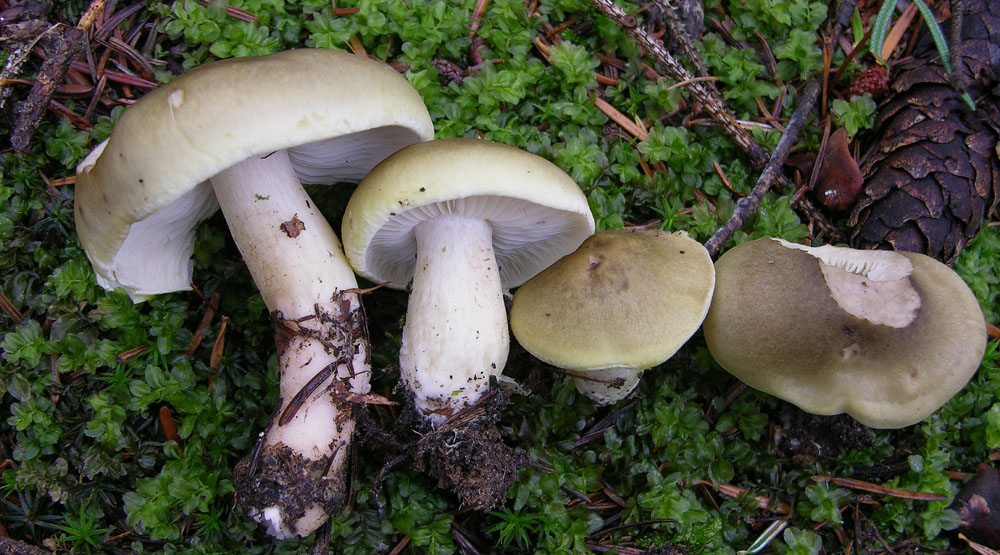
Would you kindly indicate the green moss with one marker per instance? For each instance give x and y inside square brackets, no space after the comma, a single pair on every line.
[87,374]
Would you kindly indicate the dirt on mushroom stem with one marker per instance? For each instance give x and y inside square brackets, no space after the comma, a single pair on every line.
[277,476]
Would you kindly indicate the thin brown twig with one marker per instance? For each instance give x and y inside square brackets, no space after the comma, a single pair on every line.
[869,487]
[206,319]
[746,207]
[606,531]
[128,355]
[692,80]
[853,53]
[620,118]
[215,358]
[400,546]
[233,11]
[763,502]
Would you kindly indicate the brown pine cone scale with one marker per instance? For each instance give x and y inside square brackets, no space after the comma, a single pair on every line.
[932,175]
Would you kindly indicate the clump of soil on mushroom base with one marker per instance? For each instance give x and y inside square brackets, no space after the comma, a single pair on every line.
[470,458]
[264,479]
[465,454]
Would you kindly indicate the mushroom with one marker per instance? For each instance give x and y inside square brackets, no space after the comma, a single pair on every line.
[243,133]
[887,337]
[623,302]
[463,219]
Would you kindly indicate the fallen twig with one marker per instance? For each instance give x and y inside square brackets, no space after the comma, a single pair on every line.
[977,547]
[10,309]
[735,492]
[19,55]
[608,530]
[128,355]
[620,118]
[746,207]
[206,319]
[714,104]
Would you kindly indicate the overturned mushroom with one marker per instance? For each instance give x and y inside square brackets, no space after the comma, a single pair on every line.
[243,133]
[887,337]
[623,302]
[462,219]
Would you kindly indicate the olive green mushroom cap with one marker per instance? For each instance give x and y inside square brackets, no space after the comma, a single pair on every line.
[140,194]
[626,299]
[887,337]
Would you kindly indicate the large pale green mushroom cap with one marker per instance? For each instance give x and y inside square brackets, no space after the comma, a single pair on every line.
[140,194]
[623,302]
[887,337]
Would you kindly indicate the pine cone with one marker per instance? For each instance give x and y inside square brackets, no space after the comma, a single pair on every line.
[874,81]
[933,174]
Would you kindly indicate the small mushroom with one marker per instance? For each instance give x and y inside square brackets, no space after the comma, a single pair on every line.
[887,337]
[463,219]
[242,133]
[623,302]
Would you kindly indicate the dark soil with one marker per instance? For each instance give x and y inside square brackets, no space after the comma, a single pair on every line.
[10,546]
[667,550]
[800,434]
[471,459]
[466,454]
[284,478]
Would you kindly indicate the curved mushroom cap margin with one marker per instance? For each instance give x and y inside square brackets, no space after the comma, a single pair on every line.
[537,213]
[140,194]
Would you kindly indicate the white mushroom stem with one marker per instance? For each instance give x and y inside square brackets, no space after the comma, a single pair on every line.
[455,335]
[607,385]
[298,265]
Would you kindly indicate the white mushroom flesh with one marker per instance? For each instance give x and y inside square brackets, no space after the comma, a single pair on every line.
[455,335]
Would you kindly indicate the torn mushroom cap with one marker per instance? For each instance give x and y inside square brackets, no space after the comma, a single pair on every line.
[140,194]
[887,337]
[622,302]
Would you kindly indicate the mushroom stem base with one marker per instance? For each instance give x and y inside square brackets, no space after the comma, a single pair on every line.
[295,478]
[607,385]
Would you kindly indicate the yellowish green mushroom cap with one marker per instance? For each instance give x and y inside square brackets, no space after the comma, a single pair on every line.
[536,212]
[623,302]
[140,194]
[887,337]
